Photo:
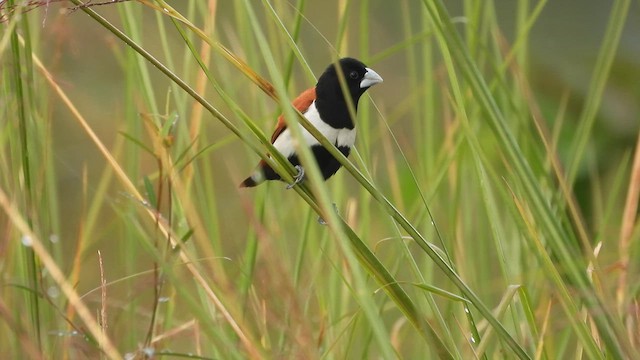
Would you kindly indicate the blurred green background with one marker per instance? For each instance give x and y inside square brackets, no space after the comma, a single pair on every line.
[294,254]
[563,48]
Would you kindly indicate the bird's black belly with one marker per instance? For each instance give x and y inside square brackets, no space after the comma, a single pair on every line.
[326,162]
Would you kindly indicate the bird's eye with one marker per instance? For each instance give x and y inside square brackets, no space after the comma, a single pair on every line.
[354,75]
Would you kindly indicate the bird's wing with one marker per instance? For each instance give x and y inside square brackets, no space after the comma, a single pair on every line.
[301,103]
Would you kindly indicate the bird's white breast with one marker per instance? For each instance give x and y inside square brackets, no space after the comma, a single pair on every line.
[285,143]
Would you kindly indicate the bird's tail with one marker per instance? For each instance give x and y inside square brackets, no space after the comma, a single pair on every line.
[248,182]
[254,180]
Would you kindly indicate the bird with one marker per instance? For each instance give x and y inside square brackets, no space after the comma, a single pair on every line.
[326,107]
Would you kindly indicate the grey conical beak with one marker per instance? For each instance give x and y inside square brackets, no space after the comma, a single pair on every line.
[370,78]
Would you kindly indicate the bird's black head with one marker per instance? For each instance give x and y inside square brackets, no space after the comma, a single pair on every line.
[358,78]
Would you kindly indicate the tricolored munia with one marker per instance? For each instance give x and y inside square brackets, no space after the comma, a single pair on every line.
[325,106]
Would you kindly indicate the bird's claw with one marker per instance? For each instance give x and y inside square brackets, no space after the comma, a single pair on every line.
[298,178]
[322,221]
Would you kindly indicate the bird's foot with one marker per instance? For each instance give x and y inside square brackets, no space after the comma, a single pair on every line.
[322,221]
[298,178]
